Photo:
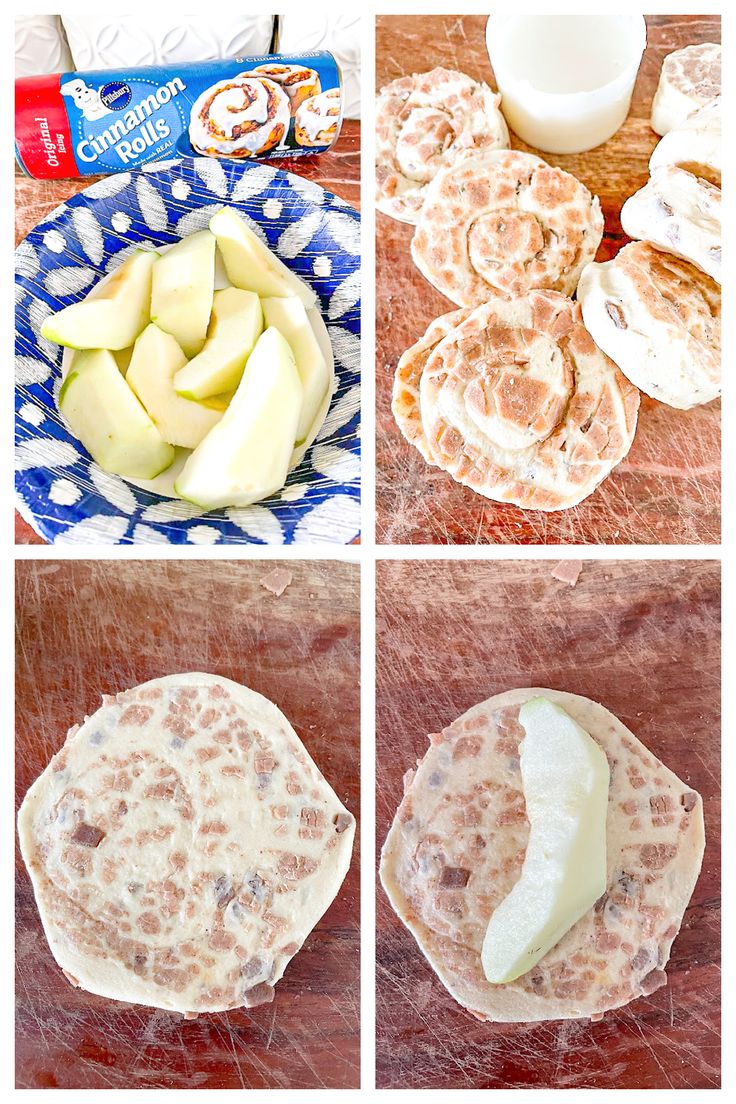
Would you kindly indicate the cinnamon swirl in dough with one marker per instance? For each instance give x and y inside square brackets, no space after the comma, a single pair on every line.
[695,145]
[423,123]
[690,78]
[679,213]
[405,402]
[182,844]
[503,220]
[317,120]
[240,118]
[519,403]
[659,318]
[298,82]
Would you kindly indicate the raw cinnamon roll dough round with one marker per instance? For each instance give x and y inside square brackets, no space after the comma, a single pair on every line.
[182,845]
[518,403]
[695,145]
[457,843]
[405,402]
[679,213]
[659,318]
[689,79]
[423,123]
[505,221]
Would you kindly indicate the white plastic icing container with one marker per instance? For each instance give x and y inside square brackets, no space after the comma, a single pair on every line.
[566,80]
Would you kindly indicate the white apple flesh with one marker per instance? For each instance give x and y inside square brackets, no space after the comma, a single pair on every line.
[246,456]
[235,326]
[109,420]
[289,316]
[182,288]
[565,779]
[250,264]
[156,359]
[111,318]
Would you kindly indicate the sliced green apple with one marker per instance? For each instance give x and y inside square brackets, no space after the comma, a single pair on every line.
[123,358]
[565,779]
[246,456]
[111,318]
[236,324]
[250,264]
[157,357]
[289,316]
[108,419]
[181,293]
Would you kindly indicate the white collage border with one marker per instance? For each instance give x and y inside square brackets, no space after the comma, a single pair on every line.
[366,555]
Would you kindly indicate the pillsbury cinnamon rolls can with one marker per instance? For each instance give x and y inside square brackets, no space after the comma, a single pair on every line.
[255,108]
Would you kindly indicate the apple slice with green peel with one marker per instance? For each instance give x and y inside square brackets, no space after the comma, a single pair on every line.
[108,419]
[565,779]
[250,264]
[111,318]
[289,316]
[181,293]
[235,326]
[156,359]
[246,456]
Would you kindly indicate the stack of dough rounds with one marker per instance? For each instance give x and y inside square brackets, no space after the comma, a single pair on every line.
[505,221]
[659,318]
[517,402]
[423,122]
[690,78]
[679,213]
[695,145]
[182,845]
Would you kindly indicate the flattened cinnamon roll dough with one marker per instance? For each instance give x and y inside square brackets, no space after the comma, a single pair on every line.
[182,845]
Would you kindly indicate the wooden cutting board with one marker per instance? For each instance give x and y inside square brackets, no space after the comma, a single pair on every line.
[338,171]
[667,490]
[642,638]
[90,628]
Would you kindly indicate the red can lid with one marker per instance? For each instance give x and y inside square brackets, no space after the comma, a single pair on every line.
[43,140]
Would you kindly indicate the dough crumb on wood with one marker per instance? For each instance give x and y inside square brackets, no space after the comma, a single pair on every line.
[277,580]
[567,571]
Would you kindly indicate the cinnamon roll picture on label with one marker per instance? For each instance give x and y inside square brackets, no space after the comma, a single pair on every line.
[298,82]
[317,121]
[242,117]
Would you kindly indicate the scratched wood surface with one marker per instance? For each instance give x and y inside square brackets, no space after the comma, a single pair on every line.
[338,171]
[643,639]
[667,490]
[87,628]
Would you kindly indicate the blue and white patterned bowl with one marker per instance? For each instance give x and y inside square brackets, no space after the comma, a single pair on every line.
[64,495]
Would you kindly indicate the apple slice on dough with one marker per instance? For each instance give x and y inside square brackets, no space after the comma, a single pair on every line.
[235,326]
[156,359]
[182,289]
[246,456]
[108,419]
[250,264]
[112,318]
[565,780]
[289,316]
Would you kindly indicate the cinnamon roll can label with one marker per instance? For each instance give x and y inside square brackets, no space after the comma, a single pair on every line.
[108,121]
